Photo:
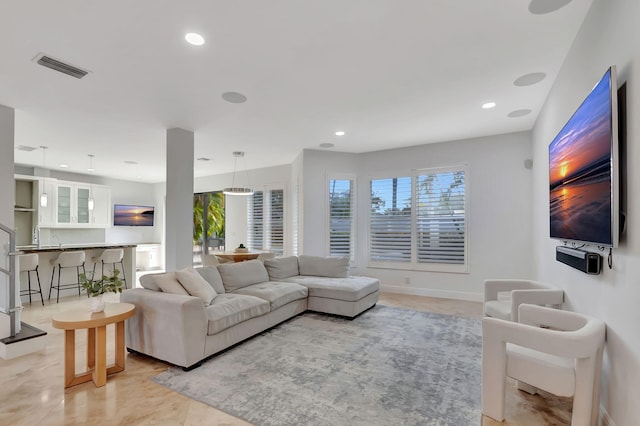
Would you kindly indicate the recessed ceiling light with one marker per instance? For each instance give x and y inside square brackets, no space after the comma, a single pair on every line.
[529,79]
[204,159]
[138,177]
[326,145]
[64,166]
[519,113]
[26,148]
[130,162]
[488,105]
[234,97]
[541,7]
[194,38]
[340,133]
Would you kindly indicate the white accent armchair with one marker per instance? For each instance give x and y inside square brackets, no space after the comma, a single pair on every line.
[497,304]
[563,358]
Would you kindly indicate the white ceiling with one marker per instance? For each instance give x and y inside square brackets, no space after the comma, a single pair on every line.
[389,73]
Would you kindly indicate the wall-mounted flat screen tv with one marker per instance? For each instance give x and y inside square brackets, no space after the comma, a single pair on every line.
[132,215]
[583,170]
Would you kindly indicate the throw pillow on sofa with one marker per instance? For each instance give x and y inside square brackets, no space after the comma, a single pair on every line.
[168,283]
[332,267]
[195,285]
[212,276]
[280,268]
[242,274]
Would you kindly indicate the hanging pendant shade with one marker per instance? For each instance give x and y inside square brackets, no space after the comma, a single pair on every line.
[233,190]
[44,199]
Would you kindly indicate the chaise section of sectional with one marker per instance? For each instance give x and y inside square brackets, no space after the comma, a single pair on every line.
[331,289]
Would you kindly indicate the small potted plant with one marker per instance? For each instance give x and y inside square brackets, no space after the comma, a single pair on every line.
[242,249]
[96,288]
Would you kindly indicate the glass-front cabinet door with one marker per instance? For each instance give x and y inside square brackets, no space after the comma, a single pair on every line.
[82,206]
[64,204]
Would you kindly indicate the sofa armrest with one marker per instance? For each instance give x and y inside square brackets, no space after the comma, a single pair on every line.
[170,327]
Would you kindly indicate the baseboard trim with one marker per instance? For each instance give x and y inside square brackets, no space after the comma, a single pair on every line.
[430,292]
[605,419]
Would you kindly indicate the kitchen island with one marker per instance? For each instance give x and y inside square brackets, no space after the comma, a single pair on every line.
[48,252]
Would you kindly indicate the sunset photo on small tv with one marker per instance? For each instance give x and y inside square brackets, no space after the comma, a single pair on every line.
[127,215]
[580,172]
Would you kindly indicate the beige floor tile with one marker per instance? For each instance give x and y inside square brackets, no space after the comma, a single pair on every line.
[32,392]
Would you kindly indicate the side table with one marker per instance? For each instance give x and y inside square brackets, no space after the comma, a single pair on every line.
[96,325]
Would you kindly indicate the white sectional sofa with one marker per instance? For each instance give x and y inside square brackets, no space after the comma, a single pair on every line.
[183,317]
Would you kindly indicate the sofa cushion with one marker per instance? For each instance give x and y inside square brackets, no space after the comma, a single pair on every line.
[228,310]
[195,285]
[280,268]
[242,274]
[276,293]
[168,283]
[336,267]
[148,281]
[212,276]
[350,289]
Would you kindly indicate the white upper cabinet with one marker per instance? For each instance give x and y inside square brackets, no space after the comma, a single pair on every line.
[100,216]
[72,204]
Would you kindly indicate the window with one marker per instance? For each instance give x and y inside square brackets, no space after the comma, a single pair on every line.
[418,221]
[266,221]
[341,218]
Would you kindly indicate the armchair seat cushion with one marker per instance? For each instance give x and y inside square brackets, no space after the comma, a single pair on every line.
[545,371]
[276,293]
[498,309]
[227,310]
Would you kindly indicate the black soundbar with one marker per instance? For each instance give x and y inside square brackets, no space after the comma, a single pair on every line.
[584,261]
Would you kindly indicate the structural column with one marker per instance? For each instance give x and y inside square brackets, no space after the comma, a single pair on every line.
[179,203]
[9,324]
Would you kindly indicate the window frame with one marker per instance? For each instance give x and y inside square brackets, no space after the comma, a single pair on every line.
[413,264]
[354,208]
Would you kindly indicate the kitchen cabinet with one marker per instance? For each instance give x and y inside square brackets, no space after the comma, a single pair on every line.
[100,216]
[72,204]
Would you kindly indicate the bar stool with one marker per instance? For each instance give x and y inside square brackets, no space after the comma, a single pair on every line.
[110,257]
[67,259]
[29,263]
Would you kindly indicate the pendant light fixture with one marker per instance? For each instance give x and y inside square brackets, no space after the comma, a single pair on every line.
[233,190]
[44,199]
[90,203]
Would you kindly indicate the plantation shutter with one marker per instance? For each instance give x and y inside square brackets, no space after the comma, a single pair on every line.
[340,218]
[276,222]
[390,220]
[440,217]
[255,234]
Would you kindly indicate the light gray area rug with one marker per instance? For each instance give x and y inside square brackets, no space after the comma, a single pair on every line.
[389,366]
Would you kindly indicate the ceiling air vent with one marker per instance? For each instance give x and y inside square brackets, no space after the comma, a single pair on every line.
[54,64]
[26,148]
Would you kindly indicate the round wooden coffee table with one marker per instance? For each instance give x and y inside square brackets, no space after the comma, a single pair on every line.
[96,325]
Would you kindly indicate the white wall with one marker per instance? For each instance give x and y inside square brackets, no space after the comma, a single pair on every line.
[499,216]
[609,36]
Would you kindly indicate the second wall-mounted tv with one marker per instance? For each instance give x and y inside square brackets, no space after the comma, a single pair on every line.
[132,215]
[583,170]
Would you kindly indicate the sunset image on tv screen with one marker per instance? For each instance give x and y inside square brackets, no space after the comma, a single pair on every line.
[580,172]
[126,215]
